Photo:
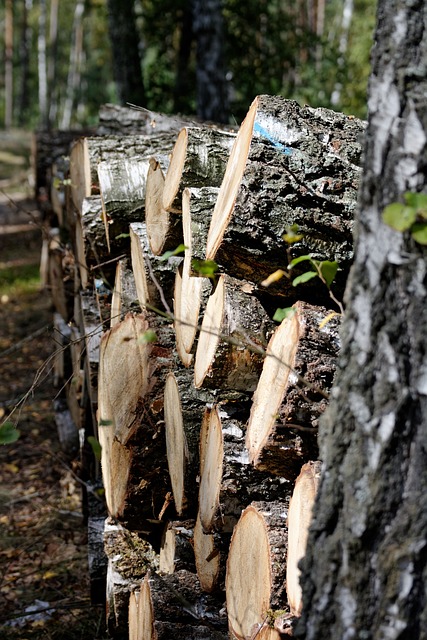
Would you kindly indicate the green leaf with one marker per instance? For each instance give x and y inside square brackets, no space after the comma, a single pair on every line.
[147,337]
[281,314]
[329,270]
[180,249]
[399,216]
[296,261]
[415,200]
[96,447]
[305,277]
[122,235]
[419,232]
[206,268]
[8,433]
[105,423]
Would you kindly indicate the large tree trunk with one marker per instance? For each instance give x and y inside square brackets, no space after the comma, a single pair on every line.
[365,572]
[125,46]
[212,95]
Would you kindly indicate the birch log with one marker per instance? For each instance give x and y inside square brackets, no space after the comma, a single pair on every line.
[199,159]
[289,165]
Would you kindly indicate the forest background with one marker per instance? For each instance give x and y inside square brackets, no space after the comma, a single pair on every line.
[62,59]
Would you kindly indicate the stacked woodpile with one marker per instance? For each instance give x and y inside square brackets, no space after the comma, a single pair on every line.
[205,408]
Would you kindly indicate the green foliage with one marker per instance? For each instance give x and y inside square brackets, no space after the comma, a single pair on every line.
[8,433]
[326,270]
[281,314]
[96,447]
[169,254]
[205,268]
[411,215]
[147,337]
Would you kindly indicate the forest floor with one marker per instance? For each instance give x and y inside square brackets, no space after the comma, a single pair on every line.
[44,585]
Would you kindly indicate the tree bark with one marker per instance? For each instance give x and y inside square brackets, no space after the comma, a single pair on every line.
[370,517]
[288,166]
[197,208]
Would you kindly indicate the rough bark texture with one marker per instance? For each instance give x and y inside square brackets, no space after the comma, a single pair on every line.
[289,165]
[365,572]
[118,120]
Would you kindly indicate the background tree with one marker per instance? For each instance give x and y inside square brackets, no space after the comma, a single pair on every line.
[8,66]
[212,98]
[365,572]
[126,58]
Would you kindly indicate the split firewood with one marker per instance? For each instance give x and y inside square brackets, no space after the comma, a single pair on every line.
[124,298]
[154,277]
[56,274]
[90,242]
[131,432]
[299,519]
[183,411]
[129,560]
[232,338]
[210,556]
[228,482]
[199,159]
[173,606]
[176,549]
[256,568]
[291,167]
[197,208]
[190,299]
[164,229]
[292,391]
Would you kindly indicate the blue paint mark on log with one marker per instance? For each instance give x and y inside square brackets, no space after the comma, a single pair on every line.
[265,134]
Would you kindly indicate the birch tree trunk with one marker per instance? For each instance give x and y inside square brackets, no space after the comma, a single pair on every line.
[365,571]
[8,63]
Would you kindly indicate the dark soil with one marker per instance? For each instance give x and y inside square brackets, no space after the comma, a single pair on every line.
[43,545]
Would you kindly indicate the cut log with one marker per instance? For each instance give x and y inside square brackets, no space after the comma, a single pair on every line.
[299,519]
[256,566]
[289,165]
[232,338]
[131,432]
[197,209]
[90,241]
[183,414]
[190,298]
[57,290]
[164,229]
[120,120]
[125,297]
[228,482]
[210,559]
[129,560]
[176,550]
[122,185]
[282,428]
[87,153]
[154,277]
[173,606]
[199,159]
